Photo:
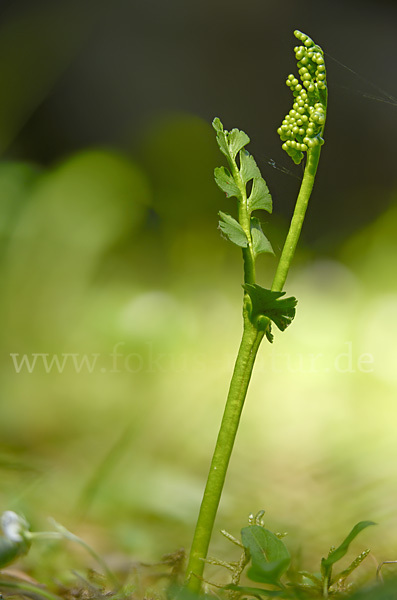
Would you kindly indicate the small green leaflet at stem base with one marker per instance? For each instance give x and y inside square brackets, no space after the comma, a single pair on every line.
[225,181]
[260,242]
[232,230]
[266,303]
[269,555]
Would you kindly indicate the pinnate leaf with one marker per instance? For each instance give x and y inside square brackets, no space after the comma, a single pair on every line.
[217,124]
[269,555]
[225,181]
[236,141]
[232,230]
[260,197]
[220,136]
[259,241]
[248,167]
[266,303]
[229,142]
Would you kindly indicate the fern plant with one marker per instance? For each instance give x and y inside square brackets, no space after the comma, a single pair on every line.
[302,135]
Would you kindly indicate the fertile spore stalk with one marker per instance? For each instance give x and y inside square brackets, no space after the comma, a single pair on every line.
[301,131]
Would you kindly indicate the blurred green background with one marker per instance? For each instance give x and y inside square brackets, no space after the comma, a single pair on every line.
[112,265]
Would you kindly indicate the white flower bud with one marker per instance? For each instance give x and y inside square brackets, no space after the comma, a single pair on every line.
[14,526]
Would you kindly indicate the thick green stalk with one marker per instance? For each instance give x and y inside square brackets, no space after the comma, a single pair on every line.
[291,241]
[227,433]
[231,417]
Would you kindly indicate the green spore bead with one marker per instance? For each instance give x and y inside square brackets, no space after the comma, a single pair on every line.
[302,127]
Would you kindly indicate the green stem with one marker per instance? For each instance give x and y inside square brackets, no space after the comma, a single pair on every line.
[231,417]
[235,401]
[313,156]
[325,587]
[244,218]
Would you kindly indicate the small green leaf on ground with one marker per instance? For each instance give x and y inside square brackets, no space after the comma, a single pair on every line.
[340,551]
[269,555]
[10,551]
[232,230]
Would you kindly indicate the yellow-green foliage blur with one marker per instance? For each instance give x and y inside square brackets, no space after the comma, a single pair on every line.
[120,319]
